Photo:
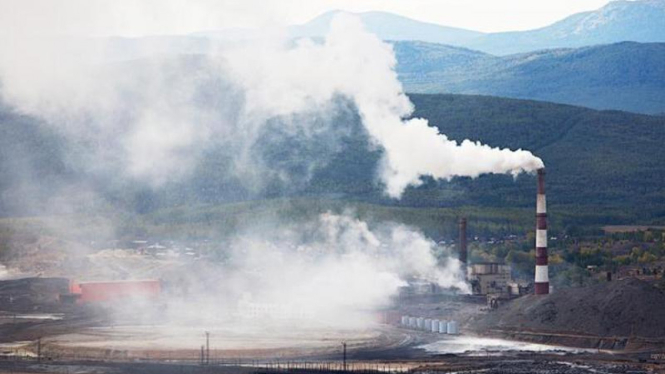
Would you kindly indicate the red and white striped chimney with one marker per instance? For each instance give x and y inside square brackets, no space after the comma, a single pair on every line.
[542,276]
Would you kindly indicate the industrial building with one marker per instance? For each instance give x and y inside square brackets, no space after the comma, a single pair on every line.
[110,291]
[489,278]
[485,278]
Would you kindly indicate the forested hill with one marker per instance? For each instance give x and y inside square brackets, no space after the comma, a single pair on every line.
[624,76]
[593,158]
[597,162]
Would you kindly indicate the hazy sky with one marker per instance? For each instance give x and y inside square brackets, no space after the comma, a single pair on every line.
[145,17]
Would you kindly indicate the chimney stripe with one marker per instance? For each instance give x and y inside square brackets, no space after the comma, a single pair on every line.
[542,288]
[541,204]
[541,239]
[542,274]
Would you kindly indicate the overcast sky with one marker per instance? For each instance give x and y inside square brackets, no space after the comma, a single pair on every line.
[150,17]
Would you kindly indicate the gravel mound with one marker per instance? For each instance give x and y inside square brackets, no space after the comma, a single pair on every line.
[625,308]
[27,294]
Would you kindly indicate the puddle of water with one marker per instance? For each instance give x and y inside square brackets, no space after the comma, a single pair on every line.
[477,346]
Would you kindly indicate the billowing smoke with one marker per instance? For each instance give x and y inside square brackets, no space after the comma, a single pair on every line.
[336,270]
[154,118]
[356,64]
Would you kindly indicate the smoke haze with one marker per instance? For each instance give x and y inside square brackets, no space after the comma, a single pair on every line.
[259,104]
[335,270]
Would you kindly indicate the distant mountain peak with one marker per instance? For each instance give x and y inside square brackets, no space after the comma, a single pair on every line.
[389,26]
[640,21]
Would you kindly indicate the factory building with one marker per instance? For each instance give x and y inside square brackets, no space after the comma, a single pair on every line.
[490,278]
[486,278]
[110,291]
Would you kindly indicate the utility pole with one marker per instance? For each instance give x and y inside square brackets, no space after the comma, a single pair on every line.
[207,348]
[344,356]
[202,355]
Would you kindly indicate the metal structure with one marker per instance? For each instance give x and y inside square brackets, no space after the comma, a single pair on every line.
[542,282]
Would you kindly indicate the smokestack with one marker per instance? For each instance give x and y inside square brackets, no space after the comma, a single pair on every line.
[462,243]
[542,274]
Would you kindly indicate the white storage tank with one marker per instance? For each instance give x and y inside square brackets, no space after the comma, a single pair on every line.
[405,320]
[435,325]
[412,322]
[428,324]
[420,322]
[443,327]
[453,329]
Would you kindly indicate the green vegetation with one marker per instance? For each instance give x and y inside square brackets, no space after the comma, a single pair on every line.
[603,167]
[207,221]
[622,76]
[579,259]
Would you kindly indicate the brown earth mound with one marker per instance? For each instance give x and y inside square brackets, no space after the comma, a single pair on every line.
[626,308]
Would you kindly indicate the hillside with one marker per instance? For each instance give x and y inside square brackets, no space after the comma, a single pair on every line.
[32,162]
[623,76]
[623,310]
[602,159]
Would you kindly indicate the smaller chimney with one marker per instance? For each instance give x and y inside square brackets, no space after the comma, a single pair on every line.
[462,243]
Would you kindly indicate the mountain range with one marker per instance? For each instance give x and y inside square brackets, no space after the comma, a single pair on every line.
[639,21]
[610,58]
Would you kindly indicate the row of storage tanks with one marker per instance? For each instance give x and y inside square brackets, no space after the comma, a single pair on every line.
[431,325]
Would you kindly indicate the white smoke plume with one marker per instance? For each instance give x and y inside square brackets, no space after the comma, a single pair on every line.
[356,64]
[158,120]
